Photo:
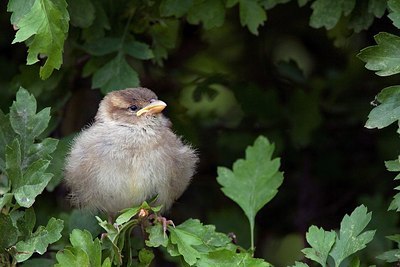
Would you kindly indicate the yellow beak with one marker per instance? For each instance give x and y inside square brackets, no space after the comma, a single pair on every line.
[152,108]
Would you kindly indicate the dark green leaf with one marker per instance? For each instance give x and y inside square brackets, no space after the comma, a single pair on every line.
[394,15]
[115,75]
[138,50]
[176,8]
[384,58]
[19,9]
[46,24]
[299,264]
[26,222]
[326,13]
[269,4]
[39,240]
[210,13]
[38,262]
[13,164]
[156,236]
[9,232]
[321,242]
[82,12]
[164,37]
[5,199]
[103,46]
[252,15]
[361,18]
[185,243]
[351,239]
[390,256]
[377,7]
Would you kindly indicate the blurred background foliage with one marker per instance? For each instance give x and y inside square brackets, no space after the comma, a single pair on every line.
[302,87]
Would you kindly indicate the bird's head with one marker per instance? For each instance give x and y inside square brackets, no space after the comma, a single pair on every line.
[130,106]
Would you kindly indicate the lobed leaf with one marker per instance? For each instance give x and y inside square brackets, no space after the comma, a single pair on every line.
[84,241]
[321,242]
[384,58]
[394,15]
[176,8]
[10,232]
[326,13]
[351,239]
[46,27]
[115,75]
[228,258]
[39,240]
[82,13]
[252,15]
[210,13]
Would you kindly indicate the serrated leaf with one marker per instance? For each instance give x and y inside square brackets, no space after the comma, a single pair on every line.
[388,111]
[377,7]
[103,46]
[384,58]
[41,150]
[145,257]
[19,8]
[9,232]
[326,13]
[13,164]
[210,13]
[115,75]
[252,15]
[184,242]
[82,12]
[156,236]
[351,239]
[127,215]
[138,50]
[34,181]
[26,222]
[321,242]
[228,258]
[176,8]
[165,36]
[390,256]
[395,204]
[72,257]
[83,240]
[361,18]
[46,25]
[38,241]
[5,199]
[394,15]
[6,136]
[254,181]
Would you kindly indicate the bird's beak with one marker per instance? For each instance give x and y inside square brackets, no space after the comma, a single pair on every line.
[154,107]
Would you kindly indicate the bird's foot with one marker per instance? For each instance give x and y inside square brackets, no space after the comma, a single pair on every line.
[164,221]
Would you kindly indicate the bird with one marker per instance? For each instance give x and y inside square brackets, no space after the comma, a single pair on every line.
[128,155]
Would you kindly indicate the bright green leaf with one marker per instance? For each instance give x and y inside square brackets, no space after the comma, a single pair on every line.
[5,200]
[321,242]
[210,13]
[176,8]
[83,240]
[39,240]
[395,204]
[394,15]
[254,181]
[252,15]
[228,258]
[115,75]
[82,12]
[384,58]
[351,239]
[326,13]
[184,242]
[9,232]
[156,236]
[72,257]
[138,50]
[46,25]
[145,257]
[127,215]
[106,263]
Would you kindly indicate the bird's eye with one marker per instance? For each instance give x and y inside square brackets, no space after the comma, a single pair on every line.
[133,108]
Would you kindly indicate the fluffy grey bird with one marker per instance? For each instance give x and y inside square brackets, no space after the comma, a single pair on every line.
[129,154]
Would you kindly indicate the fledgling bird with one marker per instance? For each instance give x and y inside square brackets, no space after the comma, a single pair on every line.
[128,155]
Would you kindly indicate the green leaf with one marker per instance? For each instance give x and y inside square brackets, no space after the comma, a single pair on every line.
[176,8]
[184,242]
[38,262]
[254,181]
[34,181]
[300,264]
[106,263]
[6,136]
[165,36]
[390,256]
[156,236]
[82,13]
[46,25]
[210,13]
[26,222]
[145,257]
[19,8]
[394,15]
[5,199]
[388,111]
[127,215]
[13,164]
[252,15]
[321,242]
[103,46]
[228,258]
[83,240]
[384,58]
[138,50]
[39,240]
[377,7]
[269,4]
[326,13]
[115,75]
[72,257]
[395,204]
[9,232]
[351,239]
